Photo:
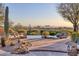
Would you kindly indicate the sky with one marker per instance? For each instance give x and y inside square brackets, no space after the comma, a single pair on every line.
[36,14]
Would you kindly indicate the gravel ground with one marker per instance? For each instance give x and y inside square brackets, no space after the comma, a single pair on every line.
[61,46]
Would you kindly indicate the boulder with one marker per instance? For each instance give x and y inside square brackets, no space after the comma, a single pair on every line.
[22,48]
[72,49]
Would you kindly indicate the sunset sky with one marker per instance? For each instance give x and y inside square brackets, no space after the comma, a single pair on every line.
[36,14]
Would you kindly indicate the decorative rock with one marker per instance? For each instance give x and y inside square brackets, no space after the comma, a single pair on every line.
[23,48]
[20,50]
[72,49]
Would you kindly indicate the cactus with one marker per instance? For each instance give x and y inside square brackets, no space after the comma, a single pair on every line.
[6,23]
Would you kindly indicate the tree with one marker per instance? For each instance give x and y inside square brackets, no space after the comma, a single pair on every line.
[1,13]
[1,22]
[70,12]
[19,26]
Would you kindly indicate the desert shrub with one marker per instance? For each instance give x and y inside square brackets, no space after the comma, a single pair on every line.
[28,32]
[54,32]
[33,32]
[69,32]
[41,32]
[75,36]
[45,34]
